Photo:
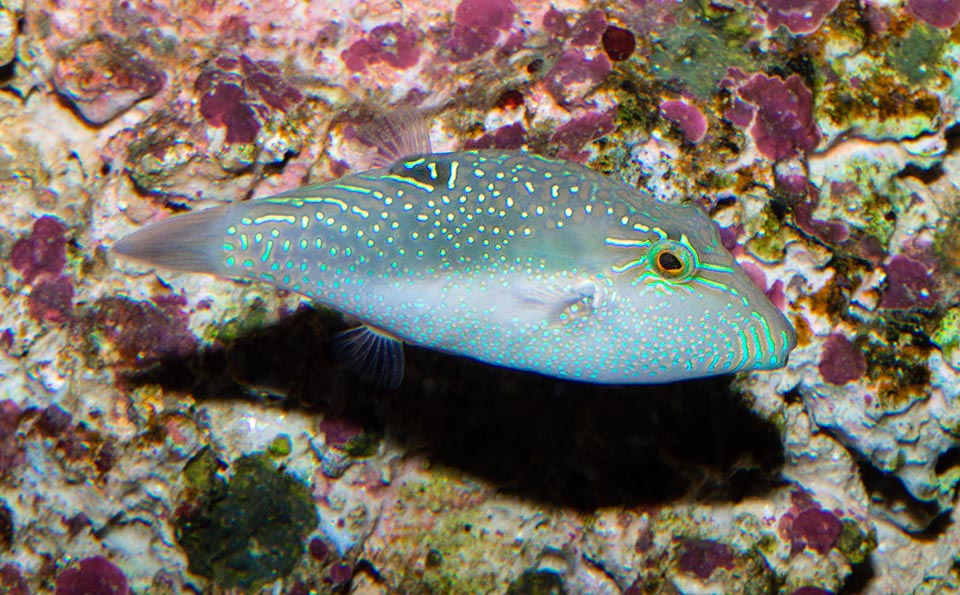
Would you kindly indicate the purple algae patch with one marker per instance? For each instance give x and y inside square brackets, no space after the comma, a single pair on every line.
[830,232]
[572,136]
[798,16]
[574,75]
[842,361]
[477,25]
[791,176]
[11,581]
[390,44]
[240,94]
[265,80]
[225,106]
[510,138]
[141,331]
[701,557]
[319,549]
[618,43]
[340,574]
[729,236]
[339,431]
[44,251]
[690,120]
[51,300]
[555,23]
[815,528]
[497,14]
[943,14]
[53,421]
[94,576]
[11,452]
[782,115]
[587,30]
[910,284]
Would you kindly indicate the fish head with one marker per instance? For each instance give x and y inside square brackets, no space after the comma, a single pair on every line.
[693,301]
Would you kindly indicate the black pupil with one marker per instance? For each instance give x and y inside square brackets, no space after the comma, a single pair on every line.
[669,262]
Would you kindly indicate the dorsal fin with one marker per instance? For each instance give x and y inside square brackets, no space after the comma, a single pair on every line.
[373,354]
[396,135]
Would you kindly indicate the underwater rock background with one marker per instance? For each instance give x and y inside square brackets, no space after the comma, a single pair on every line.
[169,433]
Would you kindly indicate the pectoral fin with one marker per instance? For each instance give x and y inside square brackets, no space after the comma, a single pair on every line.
[373,354]
[559,304]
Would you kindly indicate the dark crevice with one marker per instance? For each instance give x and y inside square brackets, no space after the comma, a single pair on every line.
[7,72]
[891,499]
[947,460]
[953,138]
[927,175]
[859,579]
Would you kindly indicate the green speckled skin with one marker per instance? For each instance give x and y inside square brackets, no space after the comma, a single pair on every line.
[505,257]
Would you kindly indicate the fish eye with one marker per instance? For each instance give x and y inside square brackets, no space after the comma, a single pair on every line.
[674,261]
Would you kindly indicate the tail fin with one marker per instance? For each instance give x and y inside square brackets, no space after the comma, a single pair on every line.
[190,243]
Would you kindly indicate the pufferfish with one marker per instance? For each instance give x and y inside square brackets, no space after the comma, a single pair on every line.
[507,257]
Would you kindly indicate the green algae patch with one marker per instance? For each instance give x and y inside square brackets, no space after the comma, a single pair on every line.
[253,318]
[280,446]
[768,242]
[947,337]
[250,533]
[699,55]
[201,474]
[917,56]
[856,544]
[897,361]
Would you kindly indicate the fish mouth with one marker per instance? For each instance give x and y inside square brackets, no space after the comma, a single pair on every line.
[770,336]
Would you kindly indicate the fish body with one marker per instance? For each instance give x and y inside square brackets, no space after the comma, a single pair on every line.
[503,256]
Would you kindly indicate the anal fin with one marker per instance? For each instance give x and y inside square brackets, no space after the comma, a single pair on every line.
[373,354]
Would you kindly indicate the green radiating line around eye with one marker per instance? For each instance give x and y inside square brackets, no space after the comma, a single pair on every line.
[711,283]
[414,163]
[621,243]
[717,268]
[622,268]
[656,282]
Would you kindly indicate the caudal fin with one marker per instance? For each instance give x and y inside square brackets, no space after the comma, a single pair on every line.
[191,242]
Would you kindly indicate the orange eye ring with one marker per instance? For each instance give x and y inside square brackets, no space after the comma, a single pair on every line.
[673,261]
